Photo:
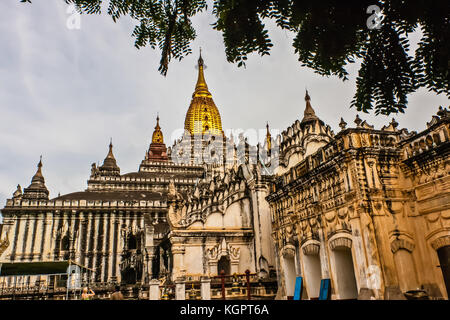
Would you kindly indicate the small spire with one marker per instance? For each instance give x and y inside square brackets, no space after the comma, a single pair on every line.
[342,124]
[200,59]
[268,138]
[110,162]
[39,171]
[110,153]
[358,121]
[37,188]
[309,113]
[394,123]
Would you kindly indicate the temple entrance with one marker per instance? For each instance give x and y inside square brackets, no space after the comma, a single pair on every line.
[289,275]
[444,262]
[313,274]
[345,273]
[224,264]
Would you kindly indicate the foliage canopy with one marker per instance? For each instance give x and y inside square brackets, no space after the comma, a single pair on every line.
[329,34]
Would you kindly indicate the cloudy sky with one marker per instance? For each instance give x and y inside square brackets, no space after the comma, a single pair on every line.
[64,93]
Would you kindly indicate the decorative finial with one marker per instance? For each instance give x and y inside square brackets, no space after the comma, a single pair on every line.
[307,97]
[200,59]
[442,112]
[342,124]
[394,123]
[358,121]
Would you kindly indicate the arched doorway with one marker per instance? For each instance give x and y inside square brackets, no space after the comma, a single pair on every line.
[444,262]
[224,264]
[345,273]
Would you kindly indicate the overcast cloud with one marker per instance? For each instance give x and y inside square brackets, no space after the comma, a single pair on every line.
[64,93]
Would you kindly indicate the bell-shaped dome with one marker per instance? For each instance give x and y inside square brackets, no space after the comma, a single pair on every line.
[202,115]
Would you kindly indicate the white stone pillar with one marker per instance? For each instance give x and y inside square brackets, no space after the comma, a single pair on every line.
[205,288]
[154,289]
[180,289]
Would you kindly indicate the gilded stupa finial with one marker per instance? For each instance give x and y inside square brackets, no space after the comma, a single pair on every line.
[202,115]
[201,88]
[157,136]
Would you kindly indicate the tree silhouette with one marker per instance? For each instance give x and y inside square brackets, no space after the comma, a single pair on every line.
[329,34]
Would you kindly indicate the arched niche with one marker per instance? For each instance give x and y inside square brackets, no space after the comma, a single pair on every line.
[312,268]
[404,264]
[342,264]
[288,260]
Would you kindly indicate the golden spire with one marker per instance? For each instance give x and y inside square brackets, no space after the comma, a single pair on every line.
[201,88]
[202,115]
[157,136]
[268,138]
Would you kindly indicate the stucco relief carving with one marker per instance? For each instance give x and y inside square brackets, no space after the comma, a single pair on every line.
[398,244]
[174,200]
[4,244]
[223,249]
[440,242]
[288,251]
[340,242]
[311,247]
[212,253]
